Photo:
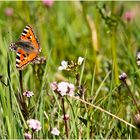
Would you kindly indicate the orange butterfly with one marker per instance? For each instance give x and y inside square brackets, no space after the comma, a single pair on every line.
[27,48]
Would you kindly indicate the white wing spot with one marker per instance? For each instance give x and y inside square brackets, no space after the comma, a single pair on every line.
[23,34]
[17,65]
[26,30]
[17,60]
[18,54]
[27,26]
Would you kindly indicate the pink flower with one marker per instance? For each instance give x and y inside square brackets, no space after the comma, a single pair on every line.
[64,88]
[55,131]
[123,76]
[53,85]
[27,135]
[8,11]
[128,15]
[66,117]
[35,125]
[48,3]
[71,89]
[28,94]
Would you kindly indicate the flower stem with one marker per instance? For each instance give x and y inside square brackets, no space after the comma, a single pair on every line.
[132,96]
[21,86]
[21,83]
[22,98]
[8,81]
[65,121]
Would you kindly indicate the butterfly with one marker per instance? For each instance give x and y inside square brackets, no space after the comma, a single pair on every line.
[27,48]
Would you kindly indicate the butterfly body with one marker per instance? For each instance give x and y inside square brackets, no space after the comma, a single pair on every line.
[27,48]
[25,45]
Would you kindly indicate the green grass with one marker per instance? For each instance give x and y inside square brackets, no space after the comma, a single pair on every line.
[102,107]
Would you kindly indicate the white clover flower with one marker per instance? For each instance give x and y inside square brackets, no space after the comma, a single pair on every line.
[55,132]
[80,60]
[64,65]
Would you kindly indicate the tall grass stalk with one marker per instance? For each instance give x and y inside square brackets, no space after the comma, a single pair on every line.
[97,92]
[131,94]
[114,56]
[102,110]
[65,120]
[41,103]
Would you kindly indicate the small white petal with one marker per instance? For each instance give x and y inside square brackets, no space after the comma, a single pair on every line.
[60,68]
[63,93]
[138,63]
[138,56]
[80,60]
[55,131]
[64,65]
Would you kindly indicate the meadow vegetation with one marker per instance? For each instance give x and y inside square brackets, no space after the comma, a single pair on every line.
[88,87]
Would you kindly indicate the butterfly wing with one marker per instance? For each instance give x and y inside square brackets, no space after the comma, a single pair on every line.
[28,35]
[23,58]
[28,41]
